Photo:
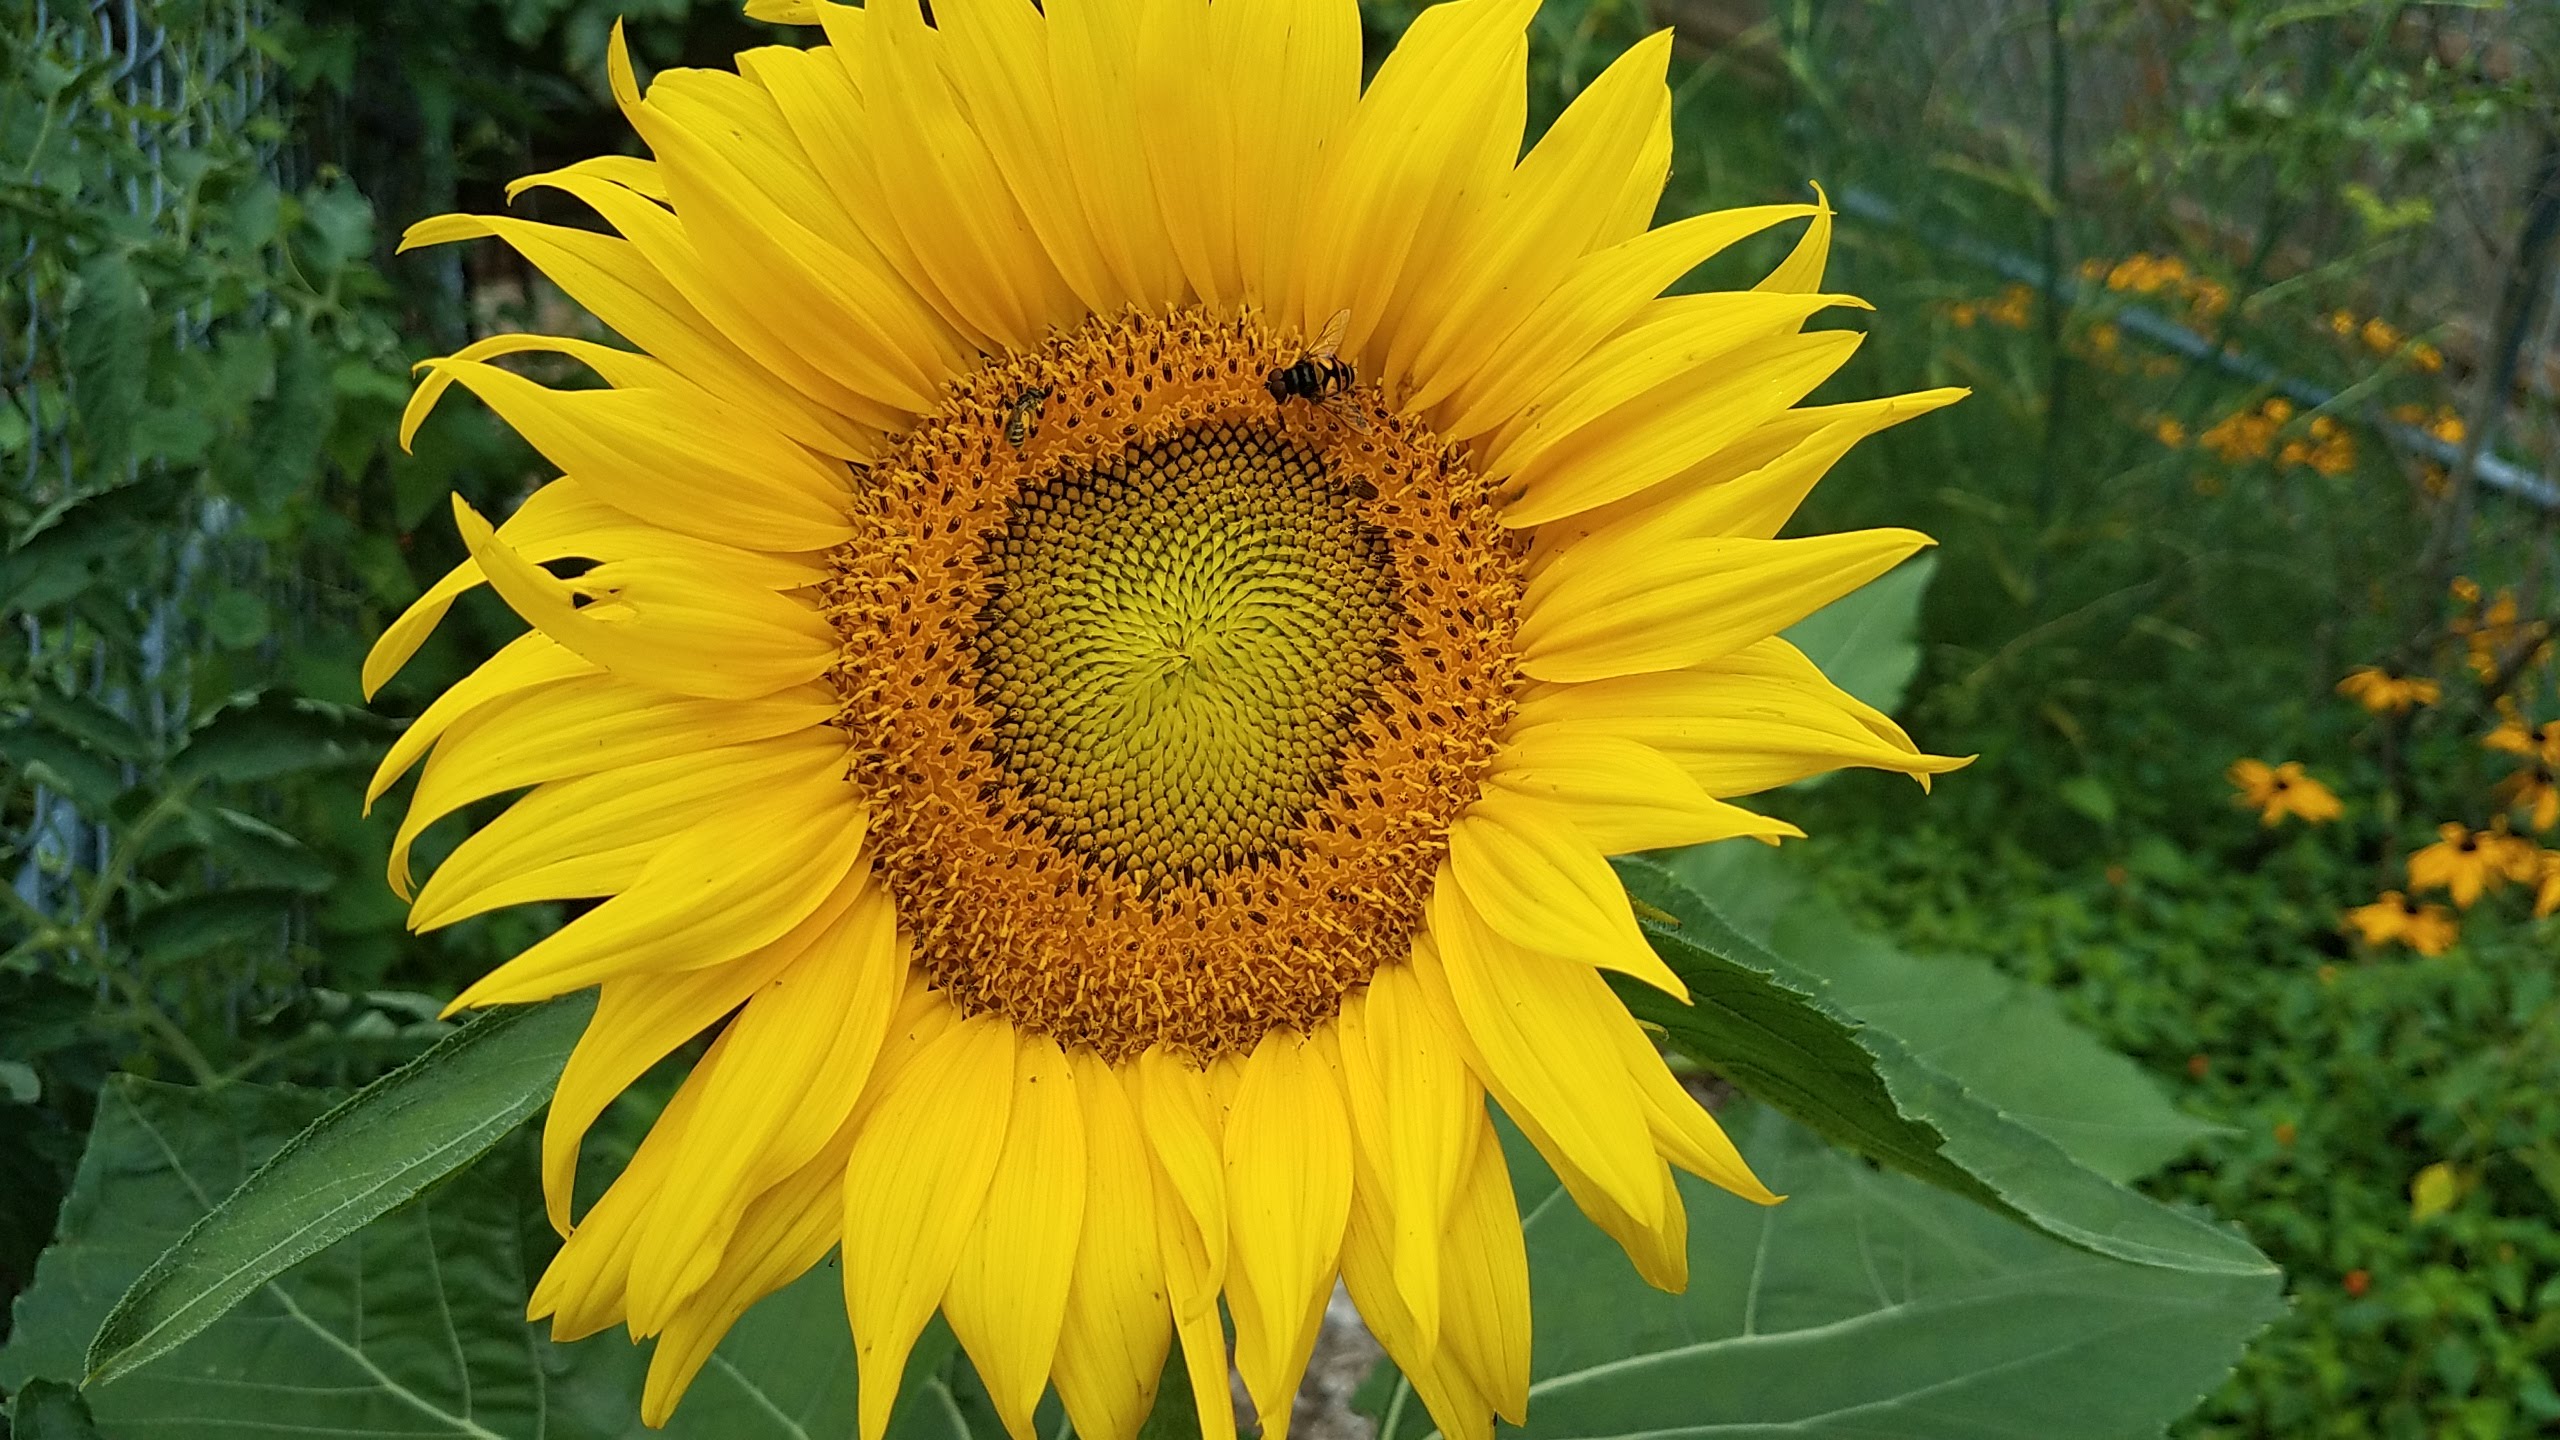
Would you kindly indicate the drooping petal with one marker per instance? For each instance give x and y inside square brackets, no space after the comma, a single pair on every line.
[1533,1028]
[914,1184]
[1288,1168]
[799,1053]
[1119,1319]
[1414,1108]
[1009,1287]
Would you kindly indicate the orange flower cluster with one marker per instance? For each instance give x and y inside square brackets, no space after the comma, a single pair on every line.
[2494,633]
[2442,421]
[2384,338]
[2162,275]
[2324,446]
[2009,309]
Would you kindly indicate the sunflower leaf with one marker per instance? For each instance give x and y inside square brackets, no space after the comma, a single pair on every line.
[1767,1025]
[411,1326]
[1867,1304]
[385,1144]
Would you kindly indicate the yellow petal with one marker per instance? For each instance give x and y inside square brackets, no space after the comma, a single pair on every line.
[1599,294]
[609,824]
[916,1180]
[1759,718]
[1093,72]
[1186,121]
[676,459]
[784,1231]
[795,1059]
[717,291]
[1801,271]
[639,1021]
[1291,72]
[1008,1294]
[1447,1390]
[1173,1104]
[1119,1317]
[1432,141]
[860,328]
[1414,1108]
[581,1290]
[1604,611]
[1669,427]
[1622,794]
[1183,1128]
[739,878]
[1752,503]
[971,240]
[998,55]
[580,726]
[1487,1262]
[1288,1169]
[564,520]
[1540,883]
[1552,209]
[664,623]
[1534,1032]
[1682,1129]
[611,279]
[521,664]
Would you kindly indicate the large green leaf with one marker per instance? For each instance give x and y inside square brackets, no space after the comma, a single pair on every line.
[365,1157]
[1866,640]
[1764,1023]
[2005,1040]
[411,1327]
[1865,1306]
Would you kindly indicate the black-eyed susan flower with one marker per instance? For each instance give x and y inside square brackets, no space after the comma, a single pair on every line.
[2535,792]
[2395,919]
[2462,862]
[2384,693]
[1130,587]
[2276,791]
[2546,883]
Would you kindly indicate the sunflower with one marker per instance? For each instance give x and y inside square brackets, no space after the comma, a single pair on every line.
[1124,590]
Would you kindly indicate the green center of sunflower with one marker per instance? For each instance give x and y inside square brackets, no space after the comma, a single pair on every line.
[1177,646]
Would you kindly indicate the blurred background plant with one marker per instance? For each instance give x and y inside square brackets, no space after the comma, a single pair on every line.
[2253,298]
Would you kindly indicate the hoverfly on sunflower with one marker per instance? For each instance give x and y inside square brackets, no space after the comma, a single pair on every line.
[1116,843]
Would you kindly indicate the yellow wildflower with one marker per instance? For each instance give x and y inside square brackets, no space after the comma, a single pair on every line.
[2384,693]
[2464,863]
[2275,791]
[2396,919]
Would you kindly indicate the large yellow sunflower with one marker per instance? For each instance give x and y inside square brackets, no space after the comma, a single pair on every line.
[1120,798]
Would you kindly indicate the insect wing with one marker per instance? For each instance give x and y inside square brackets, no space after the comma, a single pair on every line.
[1329,339]
[1342,406]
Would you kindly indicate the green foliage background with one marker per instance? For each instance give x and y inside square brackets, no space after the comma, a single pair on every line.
[207,522]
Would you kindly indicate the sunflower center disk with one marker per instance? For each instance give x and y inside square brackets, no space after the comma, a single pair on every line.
[1165,696]
[1178,646]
